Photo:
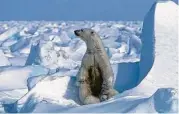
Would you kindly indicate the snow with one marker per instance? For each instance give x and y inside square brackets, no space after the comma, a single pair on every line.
[8,34]
[40,61]
[4,60]
[164,40]
[16,77]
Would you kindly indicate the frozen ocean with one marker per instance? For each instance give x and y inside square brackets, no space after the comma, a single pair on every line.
[39,61]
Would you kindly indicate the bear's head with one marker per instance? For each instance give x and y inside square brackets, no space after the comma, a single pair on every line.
[86,34]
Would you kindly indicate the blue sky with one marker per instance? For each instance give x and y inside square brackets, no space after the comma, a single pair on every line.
[74,10]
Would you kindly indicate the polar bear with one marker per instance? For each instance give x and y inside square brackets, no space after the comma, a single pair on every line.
[95,77]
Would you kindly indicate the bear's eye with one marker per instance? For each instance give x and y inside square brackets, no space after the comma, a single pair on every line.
[92,32]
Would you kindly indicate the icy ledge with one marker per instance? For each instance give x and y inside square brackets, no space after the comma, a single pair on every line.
[160,44]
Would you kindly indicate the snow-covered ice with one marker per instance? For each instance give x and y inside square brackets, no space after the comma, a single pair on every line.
[159,56]
[39,62]
[16,77]
[3,59]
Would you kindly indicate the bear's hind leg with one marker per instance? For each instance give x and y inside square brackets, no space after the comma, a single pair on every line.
[85,94]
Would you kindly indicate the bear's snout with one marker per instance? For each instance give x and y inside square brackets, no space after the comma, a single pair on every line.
[77,32]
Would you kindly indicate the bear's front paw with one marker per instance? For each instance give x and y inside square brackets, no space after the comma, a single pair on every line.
[105,95]
[103,98]
[78,83]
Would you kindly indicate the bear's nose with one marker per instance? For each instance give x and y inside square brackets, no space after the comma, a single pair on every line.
[77,32]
